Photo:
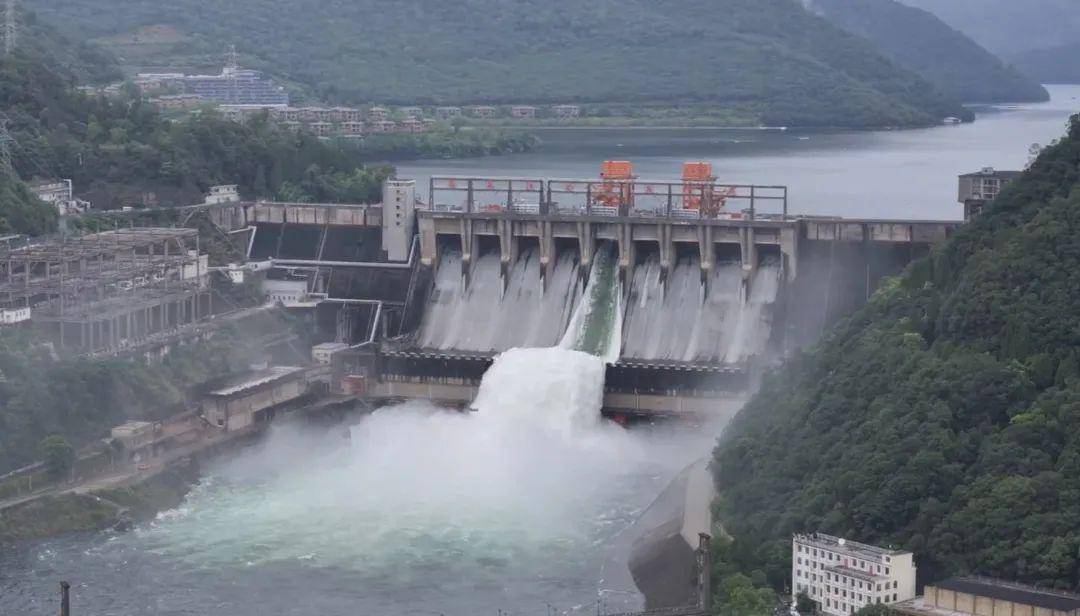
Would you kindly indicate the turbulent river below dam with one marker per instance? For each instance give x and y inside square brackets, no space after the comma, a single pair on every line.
[526,505]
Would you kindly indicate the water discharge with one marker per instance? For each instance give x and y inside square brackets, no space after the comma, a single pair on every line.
[681,319]
[428,507]
[596,326]
[483,317]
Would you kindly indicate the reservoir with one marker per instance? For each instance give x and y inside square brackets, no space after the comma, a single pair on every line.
[524,507]
[907,174]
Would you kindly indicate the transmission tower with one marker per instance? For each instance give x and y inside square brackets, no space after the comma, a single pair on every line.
[6,141]
[11,26]
[232,58]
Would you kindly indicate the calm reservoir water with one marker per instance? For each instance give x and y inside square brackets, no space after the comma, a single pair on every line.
[525,507]
[884,174]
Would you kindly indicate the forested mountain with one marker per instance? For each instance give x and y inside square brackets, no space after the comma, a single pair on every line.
[1041,37]
[921,42]
[1009,27]
[1060,64]
[770,58]
[119,150]
[944,417]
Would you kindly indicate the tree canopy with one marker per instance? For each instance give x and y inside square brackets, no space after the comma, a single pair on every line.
[770,58]
[119,151]
[921,42]
[944,416]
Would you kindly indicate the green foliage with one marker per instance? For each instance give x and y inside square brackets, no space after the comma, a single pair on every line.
[918,41]
[53,515]
[929,420]
[770,58]
[57,454]
[734,592]
[81,399]
[1059,64]
[804,604]
[20,210]
[119,151]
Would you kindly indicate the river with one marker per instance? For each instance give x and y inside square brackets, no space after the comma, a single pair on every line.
[522,509]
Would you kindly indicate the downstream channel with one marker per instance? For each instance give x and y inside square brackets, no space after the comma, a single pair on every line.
[521,506]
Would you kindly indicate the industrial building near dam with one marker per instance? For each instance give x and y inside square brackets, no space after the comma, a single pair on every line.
[701,283]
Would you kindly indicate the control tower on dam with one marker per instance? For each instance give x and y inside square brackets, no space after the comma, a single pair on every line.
[703,282]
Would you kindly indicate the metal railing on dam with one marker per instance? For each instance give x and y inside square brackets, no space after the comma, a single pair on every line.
[607,197]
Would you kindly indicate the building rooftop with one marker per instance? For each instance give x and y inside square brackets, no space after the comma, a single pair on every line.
[257,379]
[987,172]
[131,428]
[1016,593]
[853,547]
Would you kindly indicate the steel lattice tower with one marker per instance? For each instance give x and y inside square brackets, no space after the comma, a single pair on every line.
[11,26]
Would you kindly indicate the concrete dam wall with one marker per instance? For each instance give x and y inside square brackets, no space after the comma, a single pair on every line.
[678,317]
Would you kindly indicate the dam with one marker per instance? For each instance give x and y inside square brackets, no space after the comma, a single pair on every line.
[702,284]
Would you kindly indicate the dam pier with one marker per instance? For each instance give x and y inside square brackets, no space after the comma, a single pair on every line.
[710,282]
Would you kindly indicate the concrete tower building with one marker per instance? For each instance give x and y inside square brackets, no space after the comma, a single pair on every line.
[399,205]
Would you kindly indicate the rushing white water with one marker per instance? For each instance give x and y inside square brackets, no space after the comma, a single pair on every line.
[596,326]
[688,321]
[532,485]
[484,317]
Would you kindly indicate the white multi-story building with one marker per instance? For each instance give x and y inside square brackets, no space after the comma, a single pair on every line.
[843,576]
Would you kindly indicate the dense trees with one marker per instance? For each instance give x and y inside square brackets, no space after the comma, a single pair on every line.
[20,210]
[57,454]
[78,400]
[119,151]
[944,417]
[769,59]
[917,40]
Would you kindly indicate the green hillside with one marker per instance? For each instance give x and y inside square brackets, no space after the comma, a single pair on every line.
[1060,64]
[1009,27]
[770,58]
[119,151]
[944,417]
[921,42]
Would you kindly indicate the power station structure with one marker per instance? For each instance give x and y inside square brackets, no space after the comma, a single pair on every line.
[714,280]
[106,290]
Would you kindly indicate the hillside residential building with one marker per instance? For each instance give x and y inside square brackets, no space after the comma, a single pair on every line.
[523,112]
[378,114]
[482,111]
[382,126]
[412,125]
[60,194]
[566,111]
[968,595]
[446,113]
[844,576]
[236,86]
[352,128]
[411,112]
[981,188]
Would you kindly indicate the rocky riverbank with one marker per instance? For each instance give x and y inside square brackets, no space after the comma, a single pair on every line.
[99,510]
